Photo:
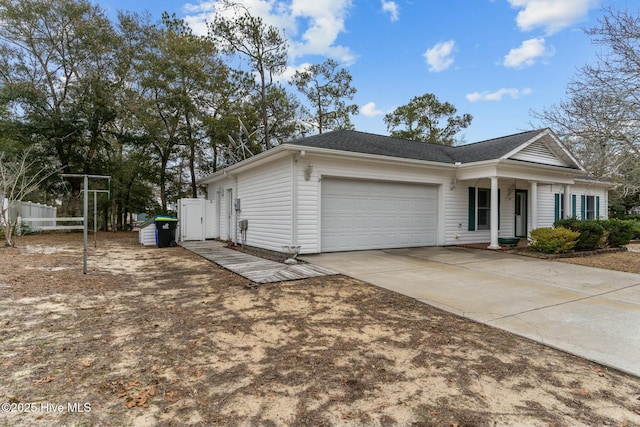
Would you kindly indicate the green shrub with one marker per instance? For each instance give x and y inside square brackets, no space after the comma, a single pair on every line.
[625,216]
[619,232]
[568,223]
[592,236]
[592,233]
[636,229]
[550,240]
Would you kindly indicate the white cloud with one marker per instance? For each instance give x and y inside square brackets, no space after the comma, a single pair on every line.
[439,57]
[197,15]
[498,95]
[325,21]
[392,9]
[312,26]
[552,15]
[289,71]
[370,110]
[527,54]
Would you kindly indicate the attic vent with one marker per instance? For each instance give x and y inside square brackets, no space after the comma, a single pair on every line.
[538,152]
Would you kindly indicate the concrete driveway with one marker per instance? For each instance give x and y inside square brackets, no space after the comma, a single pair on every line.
[590,312]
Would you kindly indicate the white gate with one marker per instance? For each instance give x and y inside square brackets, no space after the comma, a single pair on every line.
[191,213]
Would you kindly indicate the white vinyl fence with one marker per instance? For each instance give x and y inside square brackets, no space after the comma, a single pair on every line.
[36,216]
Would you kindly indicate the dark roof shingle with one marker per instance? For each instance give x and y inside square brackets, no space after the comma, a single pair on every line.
[362,142]
[493,148]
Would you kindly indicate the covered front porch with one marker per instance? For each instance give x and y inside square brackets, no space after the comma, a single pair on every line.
[508,199]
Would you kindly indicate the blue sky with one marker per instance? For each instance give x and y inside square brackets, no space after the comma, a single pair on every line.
[494,59]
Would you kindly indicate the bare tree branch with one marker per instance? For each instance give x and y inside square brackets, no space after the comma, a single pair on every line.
[17,181]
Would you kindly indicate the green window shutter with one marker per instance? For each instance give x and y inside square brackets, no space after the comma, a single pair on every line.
[573,206]
[583,207]
[472,209]
[556,207]
[597,207]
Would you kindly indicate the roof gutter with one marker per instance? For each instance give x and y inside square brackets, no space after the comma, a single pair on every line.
[596,181]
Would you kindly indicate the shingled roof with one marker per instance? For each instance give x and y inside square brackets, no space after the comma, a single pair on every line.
[362,142]
[493,148]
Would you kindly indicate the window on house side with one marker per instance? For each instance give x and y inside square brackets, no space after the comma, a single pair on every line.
[484,209]
[591,207]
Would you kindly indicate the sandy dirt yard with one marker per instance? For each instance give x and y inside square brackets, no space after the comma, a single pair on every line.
[163,337]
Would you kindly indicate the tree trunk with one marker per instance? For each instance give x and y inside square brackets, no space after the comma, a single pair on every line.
[192,157]
[263,102]
[163,186]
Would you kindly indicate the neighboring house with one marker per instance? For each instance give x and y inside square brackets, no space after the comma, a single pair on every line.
[348,190]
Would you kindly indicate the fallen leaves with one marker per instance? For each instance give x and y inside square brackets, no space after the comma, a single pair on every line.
[221,365]
[134,396]
[140,400]
[43,380]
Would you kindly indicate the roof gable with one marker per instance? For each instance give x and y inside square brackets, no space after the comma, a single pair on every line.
[545,148]
[492,149]
[539,152]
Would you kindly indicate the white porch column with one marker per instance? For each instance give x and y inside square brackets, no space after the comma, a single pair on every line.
[533,194]
[494,214]
[567,201]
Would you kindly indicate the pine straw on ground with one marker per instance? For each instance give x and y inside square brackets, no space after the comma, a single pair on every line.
[163,337]
[621,261]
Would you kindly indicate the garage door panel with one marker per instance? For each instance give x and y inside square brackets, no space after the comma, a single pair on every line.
[374,214]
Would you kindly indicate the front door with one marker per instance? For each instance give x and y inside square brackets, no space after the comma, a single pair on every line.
[521,213]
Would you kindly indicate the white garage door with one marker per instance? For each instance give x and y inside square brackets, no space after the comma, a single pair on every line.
[374,215]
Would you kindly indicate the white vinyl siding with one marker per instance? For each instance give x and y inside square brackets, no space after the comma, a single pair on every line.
[546,201]
[359,214]
[546,204]
[308,210]
[266,202]
[538,152]
[456,216]
[211,230]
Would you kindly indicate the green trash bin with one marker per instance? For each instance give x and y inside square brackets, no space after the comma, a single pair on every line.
[165,231]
